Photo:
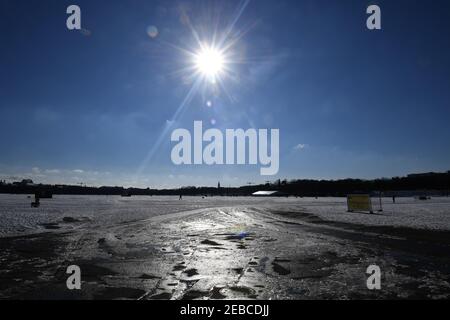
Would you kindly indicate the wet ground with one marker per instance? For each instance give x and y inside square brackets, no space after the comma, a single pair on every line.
[226,253]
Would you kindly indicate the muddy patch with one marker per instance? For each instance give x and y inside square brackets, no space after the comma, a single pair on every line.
[191,272]
[90,271]
[216,294]
[280,269]
[194,294]
[238,292]
[179,268]
[210,243]
[50,226]
[148,277]
[238,270]
[161,296]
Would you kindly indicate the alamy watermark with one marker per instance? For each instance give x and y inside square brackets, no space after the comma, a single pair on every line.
[73,282]
[374,279]
[374,20]
[234,146]
[73,22]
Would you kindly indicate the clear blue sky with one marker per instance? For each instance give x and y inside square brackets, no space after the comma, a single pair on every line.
[90,106]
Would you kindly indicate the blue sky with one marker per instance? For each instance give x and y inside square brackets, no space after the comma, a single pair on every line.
[89,107]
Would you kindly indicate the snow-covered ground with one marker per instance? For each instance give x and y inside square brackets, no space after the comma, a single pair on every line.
[406,212]
[17,217]
[222,248]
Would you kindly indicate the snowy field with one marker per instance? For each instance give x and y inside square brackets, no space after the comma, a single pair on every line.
[17,217]
[222,248]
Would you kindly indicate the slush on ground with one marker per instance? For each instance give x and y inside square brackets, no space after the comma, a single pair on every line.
[222,248]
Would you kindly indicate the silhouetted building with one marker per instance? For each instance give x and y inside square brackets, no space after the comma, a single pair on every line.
[422,175]
[26,182]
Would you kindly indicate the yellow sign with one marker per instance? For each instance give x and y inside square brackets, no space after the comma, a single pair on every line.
[359,202]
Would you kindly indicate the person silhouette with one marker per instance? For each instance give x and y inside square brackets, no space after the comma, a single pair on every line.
[36,202]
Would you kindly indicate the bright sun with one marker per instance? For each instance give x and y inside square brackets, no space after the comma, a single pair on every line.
[209,62]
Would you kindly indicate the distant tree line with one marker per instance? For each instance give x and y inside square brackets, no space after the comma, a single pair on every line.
[437,183]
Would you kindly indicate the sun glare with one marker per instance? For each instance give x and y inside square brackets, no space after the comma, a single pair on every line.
[210,62]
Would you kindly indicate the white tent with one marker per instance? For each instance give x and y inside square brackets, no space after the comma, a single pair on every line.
[267,194]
